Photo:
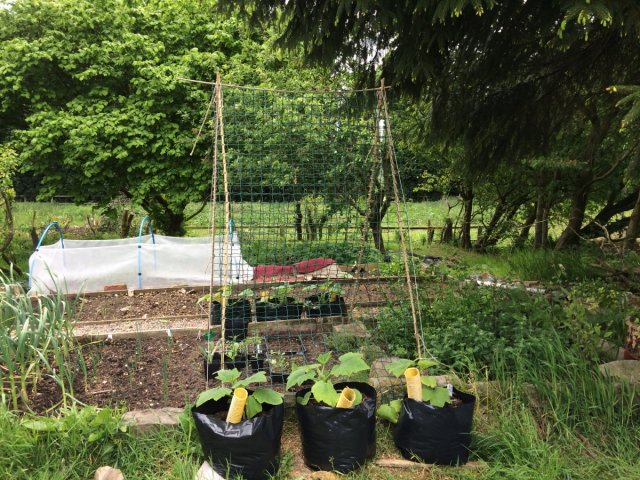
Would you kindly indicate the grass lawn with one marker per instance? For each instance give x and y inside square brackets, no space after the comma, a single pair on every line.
[558,419]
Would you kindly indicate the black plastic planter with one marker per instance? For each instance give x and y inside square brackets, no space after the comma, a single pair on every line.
[210,369]
[256,362]
[339,439]
[238,316]
[321,308]
[435,435]
[274,310]
[249,448]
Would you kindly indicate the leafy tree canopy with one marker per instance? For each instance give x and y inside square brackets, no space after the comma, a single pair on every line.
[91,97]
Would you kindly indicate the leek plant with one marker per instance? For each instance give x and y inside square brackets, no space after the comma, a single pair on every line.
[36,339]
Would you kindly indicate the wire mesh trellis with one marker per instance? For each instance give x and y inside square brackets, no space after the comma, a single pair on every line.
[305,197]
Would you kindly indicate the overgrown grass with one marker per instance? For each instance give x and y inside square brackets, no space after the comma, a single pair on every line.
[559,418]
[548,265]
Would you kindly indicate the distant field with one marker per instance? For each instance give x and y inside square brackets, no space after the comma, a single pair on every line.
[263,226]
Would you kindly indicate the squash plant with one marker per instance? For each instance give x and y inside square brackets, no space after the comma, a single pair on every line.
[431,393]
[256,399]
[323,390]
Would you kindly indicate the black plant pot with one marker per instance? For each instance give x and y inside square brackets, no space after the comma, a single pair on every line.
[256,362]
[433,434]
[274,310]
[339,439]
[238,316]
[210,369]
[321,308]
[249,448]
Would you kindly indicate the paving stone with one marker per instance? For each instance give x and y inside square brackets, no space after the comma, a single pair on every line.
[142,421]
[207,473]
[628,370]
[108,473]
[321,475]
[356,329]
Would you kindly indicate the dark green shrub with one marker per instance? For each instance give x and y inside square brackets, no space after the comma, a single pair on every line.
[467,326]
[266,253]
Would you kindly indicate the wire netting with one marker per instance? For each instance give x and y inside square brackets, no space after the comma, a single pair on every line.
[306,184]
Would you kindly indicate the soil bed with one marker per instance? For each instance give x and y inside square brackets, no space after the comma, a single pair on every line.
[144,373]
[184,302]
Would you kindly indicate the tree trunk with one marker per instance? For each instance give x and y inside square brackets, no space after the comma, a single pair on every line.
[466,218]
[633,230]
[483,241]
[613,207]
[167,218]
[540,231]
[447,231]
[524,231]
[578,204]
[7,206]
[125,223]
[378,239]
[298,221]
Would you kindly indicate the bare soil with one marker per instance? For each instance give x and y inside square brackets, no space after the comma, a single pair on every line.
[144,373]
[184,302]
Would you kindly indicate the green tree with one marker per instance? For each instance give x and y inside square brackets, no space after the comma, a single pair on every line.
[506,79]
[8,166]
[91,91]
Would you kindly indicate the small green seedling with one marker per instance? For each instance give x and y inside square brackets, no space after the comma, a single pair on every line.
[431,393]
[224,293]
[256,399]
[323,390]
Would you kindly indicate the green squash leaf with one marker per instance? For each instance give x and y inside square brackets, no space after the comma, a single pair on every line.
[228,376]
[324,392]
[324,358]
[358,399]
[438,397]
[213,394]
[398,367]
[390,411]
[301,375]
[424,363]
[304,399]
[267,395]
[259,377]
[350,363]
[253,407]
[429,381]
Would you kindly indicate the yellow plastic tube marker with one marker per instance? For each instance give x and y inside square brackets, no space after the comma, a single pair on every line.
[414,385]
[347,397]
[238,401]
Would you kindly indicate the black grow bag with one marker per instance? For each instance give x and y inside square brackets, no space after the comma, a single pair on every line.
[238,316]
[274,310]
[339,439]
[321,308]
[435,435]
[249,448]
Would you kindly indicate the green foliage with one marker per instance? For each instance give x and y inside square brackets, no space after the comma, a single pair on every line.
[100,118]
[256,399]
[431,393]
[268,253]
[467,326]
[322,390]
[8,166]
[76,442]
[552,266]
